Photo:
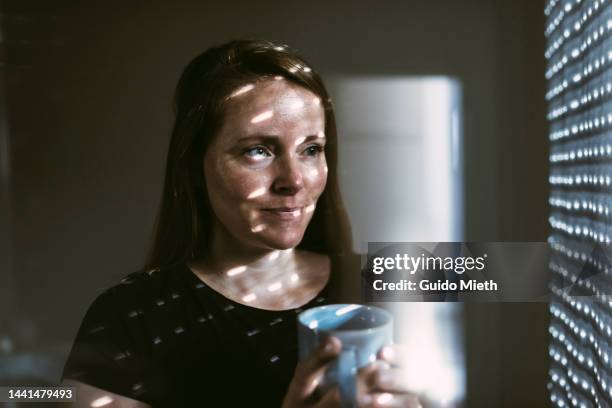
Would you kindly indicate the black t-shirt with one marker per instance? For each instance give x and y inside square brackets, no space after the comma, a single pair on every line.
[166,338]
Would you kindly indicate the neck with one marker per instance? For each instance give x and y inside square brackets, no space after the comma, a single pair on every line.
[228,260]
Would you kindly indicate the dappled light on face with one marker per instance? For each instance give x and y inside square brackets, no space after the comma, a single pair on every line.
[295,277]
[297,104]
[314,172]
[278,77]
[252,214]
[325,169]
[320,134]
[300,140]
[309,208]
[256,193]
[242,90]
[101,402]
[259,228]
[236,271]
[275,286]
[316,100]
[262,116]
[249,298]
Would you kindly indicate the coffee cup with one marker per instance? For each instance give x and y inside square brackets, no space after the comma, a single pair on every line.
[363,331]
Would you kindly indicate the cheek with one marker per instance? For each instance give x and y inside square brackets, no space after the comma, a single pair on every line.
[231,183]
[317,179]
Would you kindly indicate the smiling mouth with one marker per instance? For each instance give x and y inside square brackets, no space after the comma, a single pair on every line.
[284,213]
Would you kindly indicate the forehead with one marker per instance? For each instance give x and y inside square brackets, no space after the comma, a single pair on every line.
[272,107]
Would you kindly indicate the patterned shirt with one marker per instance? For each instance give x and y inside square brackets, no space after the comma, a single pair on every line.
[166,338]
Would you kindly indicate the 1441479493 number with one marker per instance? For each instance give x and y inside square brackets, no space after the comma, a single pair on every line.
[36,394]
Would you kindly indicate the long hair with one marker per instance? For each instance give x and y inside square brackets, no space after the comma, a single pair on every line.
[183,225]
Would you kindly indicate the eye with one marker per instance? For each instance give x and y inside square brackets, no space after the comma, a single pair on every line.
[313,150]
[257,152]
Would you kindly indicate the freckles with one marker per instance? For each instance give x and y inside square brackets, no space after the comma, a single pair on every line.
[254,185]
[240,183]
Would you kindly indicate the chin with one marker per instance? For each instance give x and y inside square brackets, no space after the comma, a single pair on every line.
[283,242]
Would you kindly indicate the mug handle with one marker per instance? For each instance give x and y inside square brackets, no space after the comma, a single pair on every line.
[347,377]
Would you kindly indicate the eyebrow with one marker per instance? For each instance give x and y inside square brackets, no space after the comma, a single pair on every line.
[273,138]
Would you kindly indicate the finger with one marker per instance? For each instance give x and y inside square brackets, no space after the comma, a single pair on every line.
[367,375]
[309,372]
[388,380]
[392,354]
[389,400]
[331,399]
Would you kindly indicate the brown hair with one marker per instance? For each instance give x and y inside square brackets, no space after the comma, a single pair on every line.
[183,223]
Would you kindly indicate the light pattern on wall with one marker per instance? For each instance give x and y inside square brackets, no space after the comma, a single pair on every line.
[579,95]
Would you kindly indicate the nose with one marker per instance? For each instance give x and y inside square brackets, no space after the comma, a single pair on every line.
[289,178]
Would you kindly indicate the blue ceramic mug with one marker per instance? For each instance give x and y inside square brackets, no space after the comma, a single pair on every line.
[363,331]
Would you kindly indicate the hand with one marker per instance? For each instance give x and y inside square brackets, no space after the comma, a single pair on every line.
[382,385]
[308,374]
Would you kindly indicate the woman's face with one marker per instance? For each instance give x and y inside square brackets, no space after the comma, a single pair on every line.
[266,168]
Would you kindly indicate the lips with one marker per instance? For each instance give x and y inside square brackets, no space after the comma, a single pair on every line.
[283,209]
[284,213]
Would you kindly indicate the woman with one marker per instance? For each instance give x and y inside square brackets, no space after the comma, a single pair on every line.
[250,228]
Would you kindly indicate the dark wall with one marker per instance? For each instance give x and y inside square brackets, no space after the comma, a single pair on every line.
[89,92]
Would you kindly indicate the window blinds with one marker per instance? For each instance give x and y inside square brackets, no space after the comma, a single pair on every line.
[579,95]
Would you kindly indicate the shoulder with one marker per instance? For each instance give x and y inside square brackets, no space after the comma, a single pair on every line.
[114,346]
[89,396]
[147,282]
[137,292]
